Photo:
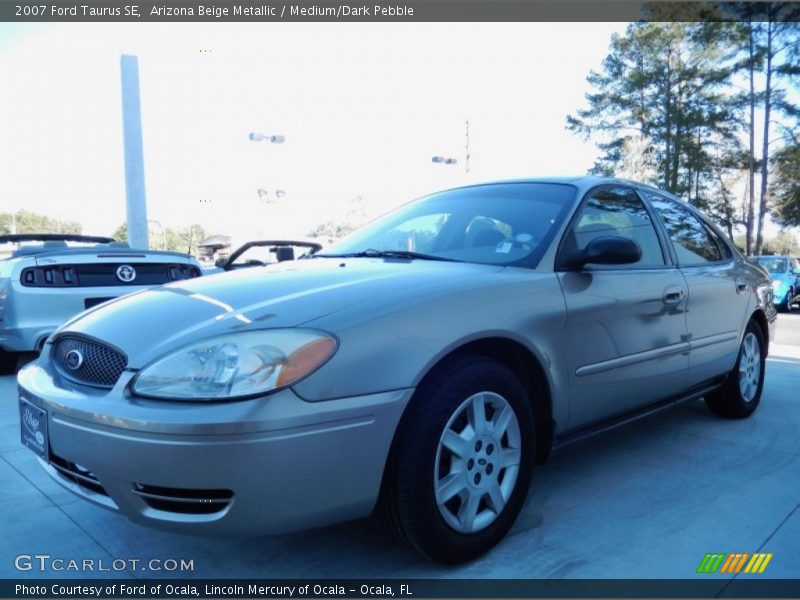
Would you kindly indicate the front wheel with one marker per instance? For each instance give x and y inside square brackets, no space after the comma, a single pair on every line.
[461,464]
[788,304]
[741,393]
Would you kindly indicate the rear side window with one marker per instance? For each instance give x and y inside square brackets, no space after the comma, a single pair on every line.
[616,211]
[724,249]
[690,237]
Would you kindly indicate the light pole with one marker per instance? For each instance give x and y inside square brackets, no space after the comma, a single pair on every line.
[264,195]
[135,197]
[256,136]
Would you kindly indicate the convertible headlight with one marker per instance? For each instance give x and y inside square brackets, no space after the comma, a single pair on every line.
[236,365]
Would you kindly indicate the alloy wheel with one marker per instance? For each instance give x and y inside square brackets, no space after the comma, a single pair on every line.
[749,367]
[477,462]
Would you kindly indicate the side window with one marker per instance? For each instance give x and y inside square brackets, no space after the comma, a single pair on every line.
[619,212]
[690,237]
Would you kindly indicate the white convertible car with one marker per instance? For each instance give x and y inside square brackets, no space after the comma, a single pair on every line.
[44,283]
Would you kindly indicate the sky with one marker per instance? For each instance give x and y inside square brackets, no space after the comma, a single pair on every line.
[363,108]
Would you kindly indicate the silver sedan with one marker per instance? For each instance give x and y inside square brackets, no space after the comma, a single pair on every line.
[421,366]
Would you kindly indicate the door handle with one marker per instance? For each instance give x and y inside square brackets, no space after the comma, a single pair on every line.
[741,287]
[673,295]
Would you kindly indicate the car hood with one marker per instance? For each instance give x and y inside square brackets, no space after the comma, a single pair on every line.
[148,324]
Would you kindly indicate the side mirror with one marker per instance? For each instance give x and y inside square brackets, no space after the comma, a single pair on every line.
[221,263]
[283,253]
[606,250]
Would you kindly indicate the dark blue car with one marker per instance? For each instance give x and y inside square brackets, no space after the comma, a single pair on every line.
[785,273]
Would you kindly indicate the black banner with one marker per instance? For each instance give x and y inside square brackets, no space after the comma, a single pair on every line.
[397,588]
[386,11]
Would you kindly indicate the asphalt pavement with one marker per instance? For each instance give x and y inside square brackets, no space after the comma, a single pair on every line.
[647,500]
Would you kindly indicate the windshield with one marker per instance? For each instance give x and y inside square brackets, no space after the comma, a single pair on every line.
[498,224]
[772,264]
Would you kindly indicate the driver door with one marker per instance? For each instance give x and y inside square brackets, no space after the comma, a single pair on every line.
[625,324]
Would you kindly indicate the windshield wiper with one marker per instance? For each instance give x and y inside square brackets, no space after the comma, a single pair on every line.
[370,253]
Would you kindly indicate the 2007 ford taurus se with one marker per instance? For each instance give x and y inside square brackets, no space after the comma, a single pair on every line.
[421,366]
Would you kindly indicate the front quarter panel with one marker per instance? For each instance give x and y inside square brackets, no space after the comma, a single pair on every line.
[398,341]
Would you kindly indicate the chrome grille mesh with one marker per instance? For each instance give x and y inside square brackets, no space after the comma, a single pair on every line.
[101,365]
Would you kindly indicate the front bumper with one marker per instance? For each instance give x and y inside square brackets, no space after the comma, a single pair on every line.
[283,463]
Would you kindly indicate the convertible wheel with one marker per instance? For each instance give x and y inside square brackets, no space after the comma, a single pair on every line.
[741,393]
[461,463]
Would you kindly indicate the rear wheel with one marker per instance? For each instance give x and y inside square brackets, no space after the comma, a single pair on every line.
[461,464]
[740,395]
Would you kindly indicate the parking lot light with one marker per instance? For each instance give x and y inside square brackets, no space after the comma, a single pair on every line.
[255,136]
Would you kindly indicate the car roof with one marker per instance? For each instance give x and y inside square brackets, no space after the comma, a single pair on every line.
[582,182]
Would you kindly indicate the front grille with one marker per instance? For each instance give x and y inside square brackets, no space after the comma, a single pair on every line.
[100,366]
[183,500]
[77,475]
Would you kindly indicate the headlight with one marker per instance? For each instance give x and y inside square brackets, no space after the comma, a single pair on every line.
[236,365]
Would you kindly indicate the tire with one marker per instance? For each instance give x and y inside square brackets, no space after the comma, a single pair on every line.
[485,495]
[741,393]
[8,362]
[788,304]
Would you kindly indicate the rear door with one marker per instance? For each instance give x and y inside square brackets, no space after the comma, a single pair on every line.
[625,324]
[718,293]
